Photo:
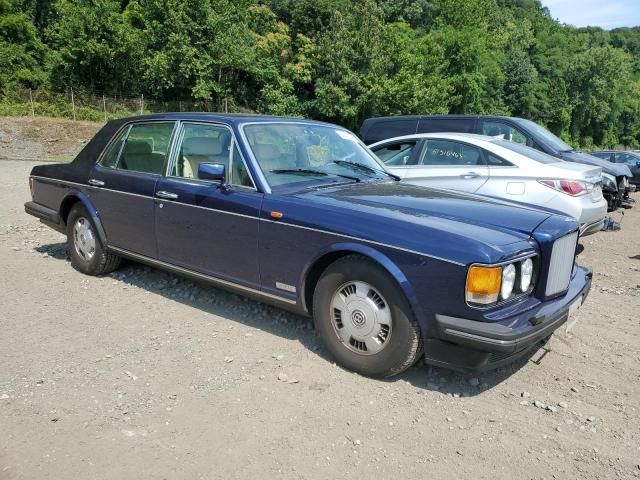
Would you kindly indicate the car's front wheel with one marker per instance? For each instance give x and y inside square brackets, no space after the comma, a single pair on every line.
[364,318]
[86,251]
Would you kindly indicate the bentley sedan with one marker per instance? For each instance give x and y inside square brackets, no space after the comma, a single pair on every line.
[301,214]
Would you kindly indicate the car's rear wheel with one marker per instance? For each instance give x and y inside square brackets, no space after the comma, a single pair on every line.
[364,318]
[87,252]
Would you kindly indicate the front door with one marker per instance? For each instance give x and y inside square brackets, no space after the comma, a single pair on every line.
[448,164]
[206,226]
[123,185]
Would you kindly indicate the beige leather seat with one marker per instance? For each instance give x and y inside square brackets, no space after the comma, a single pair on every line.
[138,156]
[197,150]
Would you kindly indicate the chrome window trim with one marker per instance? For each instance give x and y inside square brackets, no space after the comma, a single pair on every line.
[203,276]
[180,136]
[129,126]
[517,259]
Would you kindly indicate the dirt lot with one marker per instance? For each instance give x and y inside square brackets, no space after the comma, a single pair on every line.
[143,374]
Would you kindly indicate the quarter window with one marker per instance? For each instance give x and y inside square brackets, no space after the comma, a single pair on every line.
[502,130]
[448,153]
[396,154]
[140,148]
[209,144]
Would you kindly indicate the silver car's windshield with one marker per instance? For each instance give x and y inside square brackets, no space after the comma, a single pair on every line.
[290,153]
[529,152]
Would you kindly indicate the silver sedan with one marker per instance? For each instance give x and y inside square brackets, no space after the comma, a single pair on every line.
[498,168]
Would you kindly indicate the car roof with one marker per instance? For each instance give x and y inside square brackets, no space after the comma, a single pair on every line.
[231,118]
[442,116]
[473,137]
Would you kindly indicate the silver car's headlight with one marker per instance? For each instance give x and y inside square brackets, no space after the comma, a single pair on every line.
[609,182]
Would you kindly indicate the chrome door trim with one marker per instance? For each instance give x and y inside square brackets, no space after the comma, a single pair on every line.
[328,232]
[202,276]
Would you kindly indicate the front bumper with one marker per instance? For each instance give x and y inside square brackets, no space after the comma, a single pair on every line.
[471,346]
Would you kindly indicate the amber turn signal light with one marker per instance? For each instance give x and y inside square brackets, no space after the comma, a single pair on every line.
[483,284]
[276,215]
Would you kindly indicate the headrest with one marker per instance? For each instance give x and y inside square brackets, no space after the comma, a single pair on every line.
[266,151]
[201,146]
[137,147]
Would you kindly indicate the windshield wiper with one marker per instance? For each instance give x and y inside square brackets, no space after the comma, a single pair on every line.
[308,171]
[364,168]
[299,171]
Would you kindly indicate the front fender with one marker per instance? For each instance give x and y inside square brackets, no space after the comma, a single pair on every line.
[375,255]
[76,195]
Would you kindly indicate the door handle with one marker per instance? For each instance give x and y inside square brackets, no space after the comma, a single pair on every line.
[470,175]
[167,195]
[96,183]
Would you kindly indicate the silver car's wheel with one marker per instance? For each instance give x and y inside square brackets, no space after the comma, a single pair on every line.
[84,240]
[361,318]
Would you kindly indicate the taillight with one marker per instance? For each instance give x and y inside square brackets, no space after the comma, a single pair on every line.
[31,187]
[574,188]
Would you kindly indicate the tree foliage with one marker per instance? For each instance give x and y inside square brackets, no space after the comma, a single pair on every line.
[337,60]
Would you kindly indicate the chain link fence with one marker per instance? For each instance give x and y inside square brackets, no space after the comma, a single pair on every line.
[94,107]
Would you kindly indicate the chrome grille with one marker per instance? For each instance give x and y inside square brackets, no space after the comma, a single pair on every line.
[561,264]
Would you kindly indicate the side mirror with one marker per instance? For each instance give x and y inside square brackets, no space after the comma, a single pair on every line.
[211,171]
[637,164]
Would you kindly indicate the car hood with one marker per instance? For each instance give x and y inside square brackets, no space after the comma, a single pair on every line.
[431,207]
[616,169]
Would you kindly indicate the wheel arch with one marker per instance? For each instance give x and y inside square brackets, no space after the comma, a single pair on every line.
[74,197]
[315,268]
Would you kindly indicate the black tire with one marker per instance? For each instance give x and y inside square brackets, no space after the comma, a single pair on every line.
[101,262]
[404,342]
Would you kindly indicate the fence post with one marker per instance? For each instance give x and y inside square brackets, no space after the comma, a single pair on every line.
[104,107]
[33,112]
[141,103]
[73,105]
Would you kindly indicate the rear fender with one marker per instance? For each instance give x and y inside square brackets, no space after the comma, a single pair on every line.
[74,196]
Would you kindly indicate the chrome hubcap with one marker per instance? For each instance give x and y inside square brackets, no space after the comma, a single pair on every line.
[361,318]
[83,239]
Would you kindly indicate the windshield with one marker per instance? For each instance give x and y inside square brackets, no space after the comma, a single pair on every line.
[528,152]
[542,134]
[290,153]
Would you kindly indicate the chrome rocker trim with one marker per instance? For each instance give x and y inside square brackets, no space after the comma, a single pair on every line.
[197,275]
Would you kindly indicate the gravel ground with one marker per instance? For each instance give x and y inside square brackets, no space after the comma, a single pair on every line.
[143,374]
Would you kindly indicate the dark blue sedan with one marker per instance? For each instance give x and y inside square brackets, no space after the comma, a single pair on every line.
[303,215]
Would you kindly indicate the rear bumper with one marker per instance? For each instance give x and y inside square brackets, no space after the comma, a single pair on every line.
[47,215]
[470,345]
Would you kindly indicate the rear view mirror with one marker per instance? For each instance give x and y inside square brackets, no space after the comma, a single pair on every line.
[211,171]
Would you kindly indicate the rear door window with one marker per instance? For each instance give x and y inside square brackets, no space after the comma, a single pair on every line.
[450,154]
[141,148]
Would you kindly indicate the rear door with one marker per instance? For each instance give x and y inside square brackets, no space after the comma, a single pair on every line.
[202,225]
[123,185]
[448,164]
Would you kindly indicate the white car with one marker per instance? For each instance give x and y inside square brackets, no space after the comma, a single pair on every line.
[498,168]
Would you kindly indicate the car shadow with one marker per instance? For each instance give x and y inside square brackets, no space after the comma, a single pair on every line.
[259,315]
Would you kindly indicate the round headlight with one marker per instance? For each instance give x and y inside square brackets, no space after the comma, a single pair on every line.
[526,274]
[508,281]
